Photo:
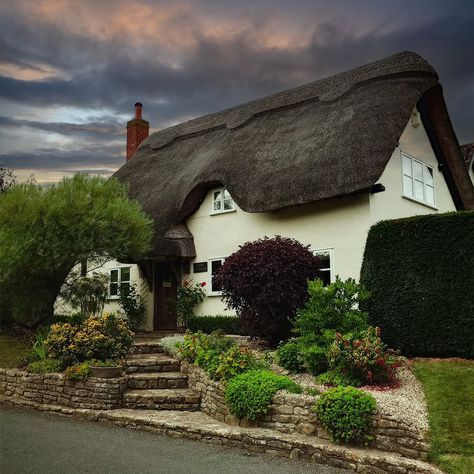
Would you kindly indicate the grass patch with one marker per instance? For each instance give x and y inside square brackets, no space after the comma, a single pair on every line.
[13,350]
[449,394]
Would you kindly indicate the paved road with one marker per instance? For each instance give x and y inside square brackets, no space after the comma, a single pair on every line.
[35,442]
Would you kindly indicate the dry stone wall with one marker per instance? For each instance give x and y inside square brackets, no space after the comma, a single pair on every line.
[292,413]
[55,389]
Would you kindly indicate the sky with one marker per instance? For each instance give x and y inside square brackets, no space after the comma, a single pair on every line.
[71,70]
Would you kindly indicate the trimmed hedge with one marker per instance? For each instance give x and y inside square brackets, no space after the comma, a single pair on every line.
[420,274]
[208,324]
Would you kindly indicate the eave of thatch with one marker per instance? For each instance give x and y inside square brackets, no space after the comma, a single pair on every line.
[328,138]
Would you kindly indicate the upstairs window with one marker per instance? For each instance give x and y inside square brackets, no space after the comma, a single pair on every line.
[326,264]
[418,181]
[222,201]
[119,279]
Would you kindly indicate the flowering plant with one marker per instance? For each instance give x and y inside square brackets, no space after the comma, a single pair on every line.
[189,296]
[106,337]
[364,360]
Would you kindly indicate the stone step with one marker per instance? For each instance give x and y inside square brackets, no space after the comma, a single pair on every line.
[150,363]
[146,346]
[163,399]
[161,380]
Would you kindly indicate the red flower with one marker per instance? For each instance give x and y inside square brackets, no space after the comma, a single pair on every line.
[203,283]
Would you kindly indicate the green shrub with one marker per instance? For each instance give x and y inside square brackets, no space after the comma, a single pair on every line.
[208,324]
[44,366]
[88,293]
[290,356]
[235,361]
[329,309]
[78,372]
[250,394]
[106,337]
[420,273]
[74,319]
[315,358]
[133,305]
[39,351]
[365,360]
[346,413]
[189,296]
[194,343]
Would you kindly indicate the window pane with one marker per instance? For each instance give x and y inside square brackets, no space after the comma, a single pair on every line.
[217,205]
[125,274]
[215,265]
[419,190]
[407,186]
[227,194]
[429,195]
[325,275]
[113,275]
[417,171]
[217,195]
[406,164]
[228,204]
[124,286]
[428,176]
[324,261]
[113,289]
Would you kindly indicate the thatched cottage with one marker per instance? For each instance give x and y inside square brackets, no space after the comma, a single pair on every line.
[320,163]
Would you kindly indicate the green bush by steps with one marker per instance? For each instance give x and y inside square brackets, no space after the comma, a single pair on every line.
[346,413]
[250,394]
[420,274]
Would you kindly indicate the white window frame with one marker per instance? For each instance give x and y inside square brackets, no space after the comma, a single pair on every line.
[221,210]
[330,251]
[210,292]
[424,166]
[119,281]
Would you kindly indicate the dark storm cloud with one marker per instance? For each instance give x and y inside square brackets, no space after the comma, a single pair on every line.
[62,160]
[210,72]
[107,129]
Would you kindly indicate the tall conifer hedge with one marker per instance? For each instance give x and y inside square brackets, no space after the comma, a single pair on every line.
[420,273]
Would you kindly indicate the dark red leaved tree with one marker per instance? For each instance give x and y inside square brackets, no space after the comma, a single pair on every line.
[265,282]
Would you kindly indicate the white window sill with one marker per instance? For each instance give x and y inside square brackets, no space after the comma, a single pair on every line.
[215,293]
[215,213]
[418,201]
[113,298]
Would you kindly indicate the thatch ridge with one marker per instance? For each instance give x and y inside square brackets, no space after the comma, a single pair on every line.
[329,138]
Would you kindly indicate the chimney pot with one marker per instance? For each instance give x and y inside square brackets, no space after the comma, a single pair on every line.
[138,110]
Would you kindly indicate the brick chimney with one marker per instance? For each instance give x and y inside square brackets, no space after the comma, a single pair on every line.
[137,131]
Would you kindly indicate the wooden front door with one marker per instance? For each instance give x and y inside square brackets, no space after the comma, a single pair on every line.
[165,293]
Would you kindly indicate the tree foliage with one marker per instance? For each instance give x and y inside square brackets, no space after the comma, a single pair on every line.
[265,282]
[46,231]
[7,179]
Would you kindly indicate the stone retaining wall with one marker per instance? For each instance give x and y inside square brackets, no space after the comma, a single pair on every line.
[292,413]
[54,389]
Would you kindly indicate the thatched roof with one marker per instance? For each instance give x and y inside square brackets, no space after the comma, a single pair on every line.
[468,154]
[328,138]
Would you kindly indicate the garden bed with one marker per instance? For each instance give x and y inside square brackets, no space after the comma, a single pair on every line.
[292,413]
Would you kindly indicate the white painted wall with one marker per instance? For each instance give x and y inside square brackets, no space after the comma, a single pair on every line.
[112,305]
[391,204]
[340,224]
